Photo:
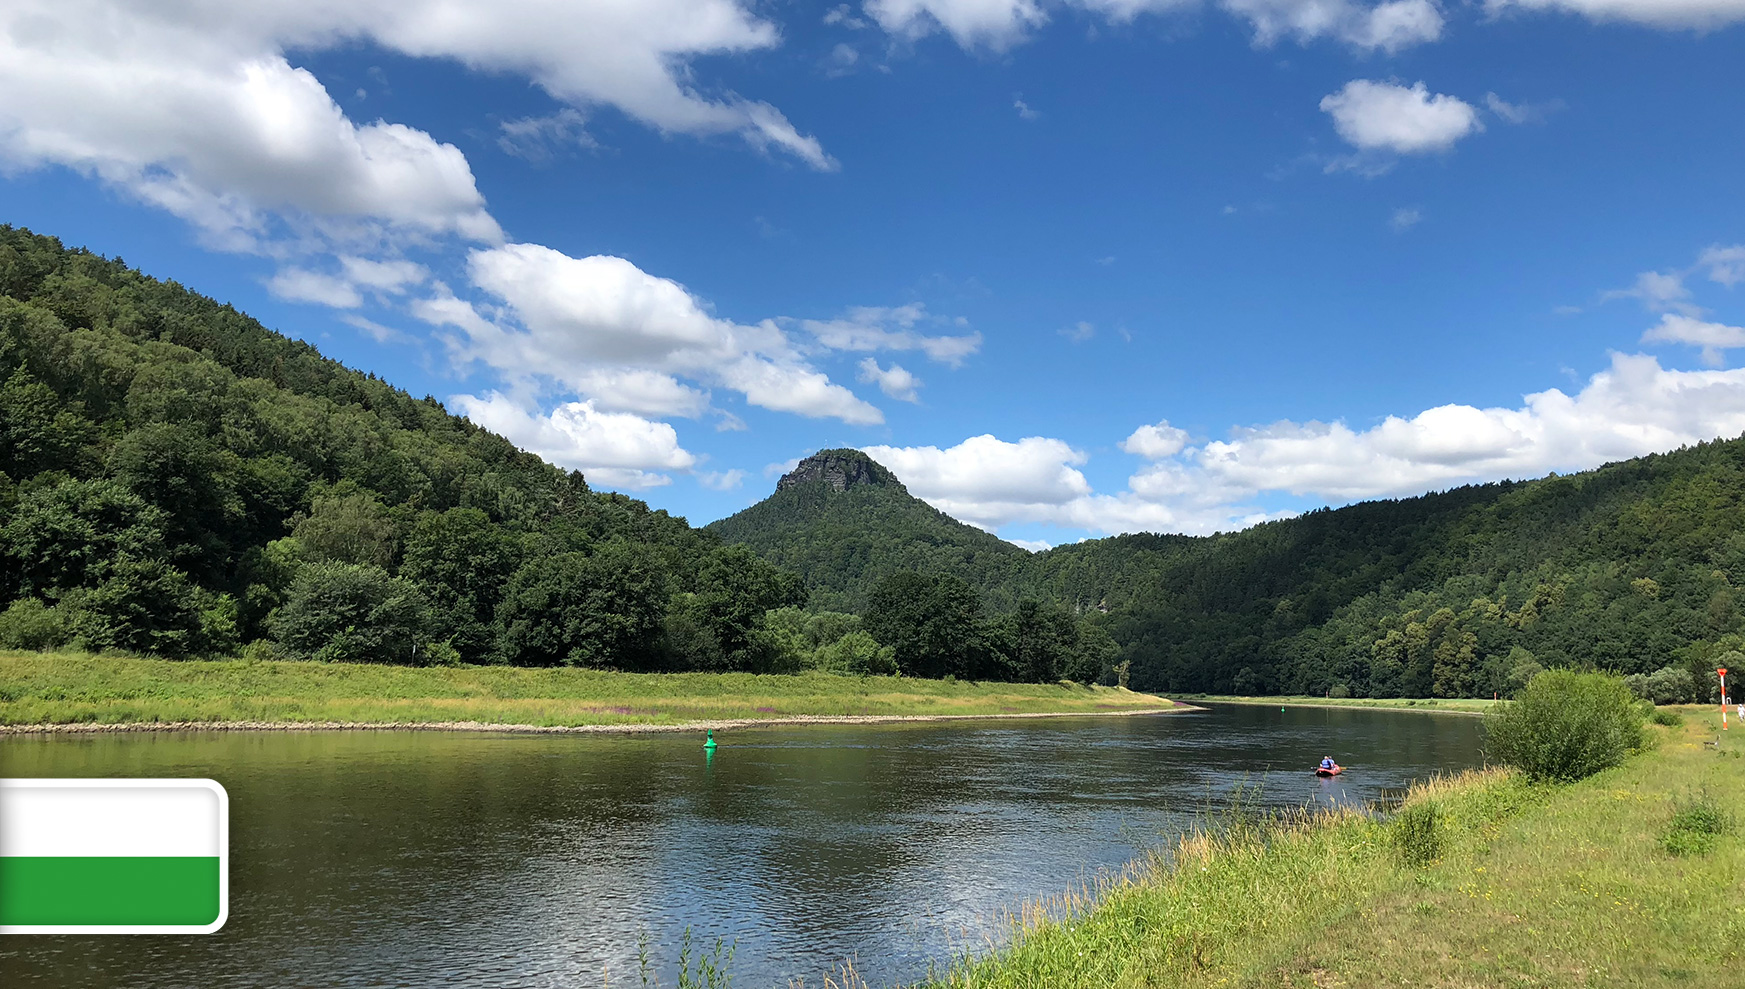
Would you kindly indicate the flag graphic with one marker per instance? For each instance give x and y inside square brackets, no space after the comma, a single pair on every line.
[113,856]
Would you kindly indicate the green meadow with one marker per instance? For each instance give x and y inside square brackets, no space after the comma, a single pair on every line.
[73,688]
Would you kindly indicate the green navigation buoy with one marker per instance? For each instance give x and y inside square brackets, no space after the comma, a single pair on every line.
[710,744]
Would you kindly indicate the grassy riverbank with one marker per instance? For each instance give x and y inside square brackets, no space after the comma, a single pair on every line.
[1533,886]
[1461,705]
[71,688]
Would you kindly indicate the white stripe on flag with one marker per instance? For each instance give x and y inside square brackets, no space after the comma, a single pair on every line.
[110,817]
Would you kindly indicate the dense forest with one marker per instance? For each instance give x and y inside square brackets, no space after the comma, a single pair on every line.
[1630,568]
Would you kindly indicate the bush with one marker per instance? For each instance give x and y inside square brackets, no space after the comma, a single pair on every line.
[602,610]
[352,613]
[261,650]
[1694,827]
[1667,685]
[858,654]
[31,624]
[1566,726]
[141,606]
[1417,833]
[440,654]
[1671,719]
[1339,691]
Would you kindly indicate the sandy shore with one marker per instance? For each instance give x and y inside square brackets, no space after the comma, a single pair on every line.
[721,724]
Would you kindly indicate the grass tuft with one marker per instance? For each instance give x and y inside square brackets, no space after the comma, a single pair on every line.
[1416,834]
[1695,826]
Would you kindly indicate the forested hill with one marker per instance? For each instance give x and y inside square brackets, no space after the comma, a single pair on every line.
[1632,567]
[177,479]
[844,523]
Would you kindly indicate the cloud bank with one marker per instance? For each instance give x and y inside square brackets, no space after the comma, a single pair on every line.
[1633,407]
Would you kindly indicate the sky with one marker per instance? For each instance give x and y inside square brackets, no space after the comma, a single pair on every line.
[1068,267]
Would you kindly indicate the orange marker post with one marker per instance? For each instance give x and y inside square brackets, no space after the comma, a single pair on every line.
[1722,673]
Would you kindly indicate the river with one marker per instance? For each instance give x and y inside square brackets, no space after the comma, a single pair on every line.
[436,859]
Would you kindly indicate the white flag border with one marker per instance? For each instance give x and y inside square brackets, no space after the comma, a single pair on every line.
[107,782]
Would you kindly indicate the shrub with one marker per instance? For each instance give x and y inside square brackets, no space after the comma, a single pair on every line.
[1694,827]
[352,613]
[1667,685]
[31,624]
[1339,691]
[141,606]
[260,650]
[1671,719]
[859,654]
[1417,833]
[1566,726]
[440,654]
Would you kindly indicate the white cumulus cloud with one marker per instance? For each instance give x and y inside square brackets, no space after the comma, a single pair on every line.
[1697,15]
[1633,407]
[1713,338]
[218,129]
[194,106]
[301,285]
[616,449]
[1726,265]
[867,328]
[1659,291]
[997,25]
[634,342]
[1156,442]
[894,381]
[993,24]
[790,386]
[1386,116]
[642,391]
[724,480]
[1388,27]
[987,481]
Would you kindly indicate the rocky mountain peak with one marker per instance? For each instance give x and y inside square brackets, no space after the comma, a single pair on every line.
[840,470]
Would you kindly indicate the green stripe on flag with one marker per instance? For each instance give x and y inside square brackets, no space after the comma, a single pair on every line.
[107,890]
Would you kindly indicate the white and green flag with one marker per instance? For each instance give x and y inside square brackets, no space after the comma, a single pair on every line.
[105,856]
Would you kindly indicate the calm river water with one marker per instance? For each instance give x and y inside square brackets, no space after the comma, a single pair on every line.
[435,859]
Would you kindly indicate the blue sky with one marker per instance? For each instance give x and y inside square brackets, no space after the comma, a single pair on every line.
[1067,268]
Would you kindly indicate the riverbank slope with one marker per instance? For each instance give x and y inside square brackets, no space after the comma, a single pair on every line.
[1569,886]
[1444,705]
[73,689]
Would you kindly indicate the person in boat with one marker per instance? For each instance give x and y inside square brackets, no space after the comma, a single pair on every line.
[1328,764]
